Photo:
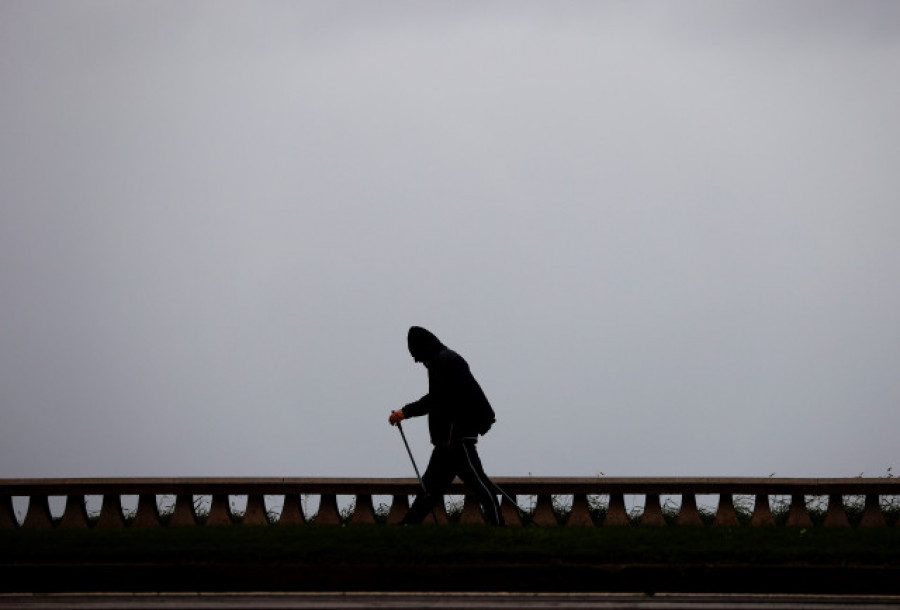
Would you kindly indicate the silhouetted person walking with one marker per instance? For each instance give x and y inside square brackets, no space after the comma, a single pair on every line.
[458,411]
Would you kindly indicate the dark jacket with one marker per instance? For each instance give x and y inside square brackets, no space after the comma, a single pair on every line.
[455,404]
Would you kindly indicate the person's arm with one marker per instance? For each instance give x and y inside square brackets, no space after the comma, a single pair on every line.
[419,407]
[424,405]
[413,409]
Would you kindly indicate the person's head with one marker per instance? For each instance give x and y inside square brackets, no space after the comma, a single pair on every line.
[423,346]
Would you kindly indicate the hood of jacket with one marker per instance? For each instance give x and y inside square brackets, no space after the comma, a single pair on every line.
[423,345]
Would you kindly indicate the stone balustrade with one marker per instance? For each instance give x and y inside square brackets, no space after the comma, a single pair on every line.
[579,495]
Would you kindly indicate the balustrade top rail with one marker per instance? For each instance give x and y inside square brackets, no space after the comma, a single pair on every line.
[389,486]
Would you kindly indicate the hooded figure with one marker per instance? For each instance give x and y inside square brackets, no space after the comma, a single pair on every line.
[455,404]
[458,412]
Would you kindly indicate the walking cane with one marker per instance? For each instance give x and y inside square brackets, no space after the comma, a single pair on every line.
[416,468]
[509,498]
[411,458]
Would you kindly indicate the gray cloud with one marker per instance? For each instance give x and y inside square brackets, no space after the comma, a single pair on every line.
[662,234]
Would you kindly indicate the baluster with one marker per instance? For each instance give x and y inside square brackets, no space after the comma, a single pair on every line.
[8,519]
[328,510]
[511,515]
[111,515]
[872,515]
[652,511]
[543,511]
[363,511]
[183,514]
[762,512]
[581,512]
[147,512]
[255,514]
[616,514]
[836,516]
[399,508]
[219,511]
[292,511]
[726,515]
[75,516]
[798,515]
[688,514]
[38,516]
[471,512]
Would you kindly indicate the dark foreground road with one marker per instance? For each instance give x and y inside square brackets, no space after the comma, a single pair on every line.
[487,578]
[444,601]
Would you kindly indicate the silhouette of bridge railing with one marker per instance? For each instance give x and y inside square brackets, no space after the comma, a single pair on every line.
[578,494]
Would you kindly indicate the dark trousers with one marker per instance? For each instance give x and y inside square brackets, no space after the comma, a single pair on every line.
[459,458]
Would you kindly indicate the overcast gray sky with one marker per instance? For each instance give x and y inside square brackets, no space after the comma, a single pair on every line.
[663,234]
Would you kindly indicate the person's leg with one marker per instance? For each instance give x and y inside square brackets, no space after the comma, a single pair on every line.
[470,470]
[438,476]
